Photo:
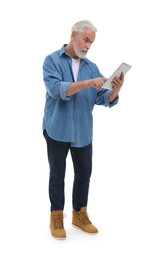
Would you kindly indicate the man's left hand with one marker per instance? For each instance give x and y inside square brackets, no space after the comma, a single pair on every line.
[116,86]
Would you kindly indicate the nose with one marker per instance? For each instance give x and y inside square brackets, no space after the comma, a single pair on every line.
[88,45]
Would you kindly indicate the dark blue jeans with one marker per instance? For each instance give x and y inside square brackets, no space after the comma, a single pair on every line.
[82,163]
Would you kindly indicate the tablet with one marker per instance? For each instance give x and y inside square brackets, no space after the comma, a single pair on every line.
[124,67]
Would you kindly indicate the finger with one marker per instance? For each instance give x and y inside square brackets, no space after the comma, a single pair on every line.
[116,84]
[100,82]
[117,80]
[115,87]
[104,79]
[122,76]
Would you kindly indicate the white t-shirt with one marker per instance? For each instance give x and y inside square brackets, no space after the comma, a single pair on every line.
[75,67]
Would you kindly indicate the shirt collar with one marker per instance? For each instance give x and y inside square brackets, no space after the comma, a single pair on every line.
[62,51]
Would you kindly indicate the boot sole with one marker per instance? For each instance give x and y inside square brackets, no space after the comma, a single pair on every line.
[91,233]
[59,238]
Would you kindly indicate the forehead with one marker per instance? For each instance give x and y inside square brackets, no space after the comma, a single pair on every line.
[89,34]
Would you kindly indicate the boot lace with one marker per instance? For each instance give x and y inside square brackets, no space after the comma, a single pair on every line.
[84,219]
[58,220]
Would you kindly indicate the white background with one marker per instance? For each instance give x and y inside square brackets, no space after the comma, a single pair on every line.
[29,31]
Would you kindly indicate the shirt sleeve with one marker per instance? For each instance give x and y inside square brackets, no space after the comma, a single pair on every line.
[52,76]
[103,98]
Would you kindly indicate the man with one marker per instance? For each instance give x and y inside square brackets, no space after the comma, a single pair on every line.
[74,85]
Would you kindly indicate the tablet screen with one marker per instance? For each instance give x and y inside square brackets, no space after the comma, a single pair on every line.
[124,67]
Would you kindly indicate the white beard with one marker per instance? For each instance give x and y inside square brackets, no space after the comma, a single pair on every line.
[79,53]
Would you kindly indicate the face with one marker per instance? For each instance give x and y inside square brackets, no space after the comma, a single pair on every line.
[82,42]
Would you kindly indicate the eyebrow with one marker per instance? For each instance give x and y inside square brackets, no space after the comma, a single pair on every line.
[86,38]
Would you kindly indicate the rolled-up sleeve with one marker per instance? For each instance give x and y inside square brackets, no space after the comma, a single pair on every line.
[52,76]
[63,90]
[103,98]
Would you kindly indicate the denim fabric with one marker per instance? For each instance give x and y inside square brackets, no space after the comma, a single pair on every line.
[82,163]
[69,119]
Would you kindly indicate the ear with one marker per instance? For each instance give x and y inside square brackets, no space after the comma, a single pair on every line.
[73,35]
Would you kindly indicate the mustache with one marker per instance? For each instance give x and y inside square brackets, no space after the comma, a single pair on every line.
[84,49]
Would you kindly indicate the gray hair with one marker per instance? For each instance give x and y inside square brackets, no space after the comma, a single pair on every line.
[80,26]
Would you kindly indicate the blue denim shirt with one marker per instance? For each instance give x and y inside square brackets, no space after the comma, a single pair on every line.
[69,119]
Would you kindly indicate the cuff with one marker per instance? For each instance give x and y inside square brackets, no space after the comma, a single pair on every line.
[114,102]
[63,89]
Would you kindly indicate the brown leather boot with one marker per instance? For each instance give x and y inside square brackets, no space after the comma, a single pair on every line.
[56,224]
[80,219]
